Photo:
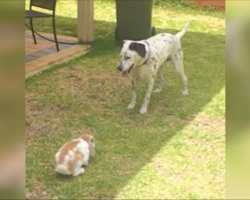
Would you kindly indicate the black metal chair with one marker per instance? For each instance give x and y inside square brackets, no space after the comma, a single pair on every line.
[31,14]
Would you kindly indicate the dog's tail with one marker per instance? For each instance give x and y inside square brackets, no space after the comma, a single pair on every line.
[183,30]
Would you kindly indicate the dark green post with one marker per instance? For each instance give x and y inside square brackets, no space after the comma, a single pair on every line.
[133,20]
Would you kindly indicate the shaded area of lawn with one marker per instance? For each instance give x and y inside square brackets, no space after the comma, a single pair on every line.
[175,151]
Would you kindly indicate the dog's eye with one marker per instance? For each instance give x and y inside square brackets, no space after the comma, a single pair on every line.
[127,57]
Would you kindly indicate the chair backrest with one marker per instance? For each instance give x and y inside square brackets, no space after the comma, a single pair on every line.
[46,4]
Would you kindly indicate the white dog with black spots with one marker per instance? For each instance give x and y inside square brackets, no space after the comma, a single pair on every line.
[143,59]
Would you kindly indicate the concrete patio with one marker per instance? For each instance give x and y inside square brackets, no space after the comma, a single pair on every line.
[43,55]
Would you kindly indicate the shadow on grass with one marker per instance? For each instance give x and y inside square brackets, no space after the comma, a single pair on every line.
[126,141]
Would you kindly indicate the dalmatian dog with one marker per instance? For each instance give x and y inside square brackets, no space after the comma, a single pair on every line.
[143,59]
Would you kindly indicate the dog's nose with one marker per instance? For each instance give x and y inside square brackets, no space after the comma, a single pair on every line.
[119,67]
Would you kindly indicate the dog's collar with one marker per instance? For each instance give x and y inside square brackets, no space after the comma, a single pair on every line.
[149,52]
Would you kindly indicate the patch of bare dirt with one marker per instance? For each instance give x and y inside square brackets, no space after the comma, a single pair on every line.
[39,192]
[101,87]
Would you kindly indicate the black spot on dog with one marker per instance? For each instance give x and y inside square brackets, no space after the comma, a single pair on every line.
[162,35]
[155,66]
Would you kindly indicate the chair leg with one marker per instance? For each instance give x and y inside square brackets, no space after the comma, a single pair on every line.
[32,30]
[54,30]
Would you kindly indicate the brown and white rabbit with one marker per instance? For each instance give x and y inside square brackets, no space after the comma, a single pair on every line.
[74,154]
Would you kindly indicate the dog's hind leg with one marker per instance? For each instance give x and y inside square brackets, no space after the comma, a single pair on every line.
[161,81]
[177,59]
[133,96]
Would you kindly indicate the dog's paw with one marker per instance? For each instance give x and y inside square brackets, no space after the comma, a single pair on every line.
[143,110]
[185,93]
[131,106]
[157,91]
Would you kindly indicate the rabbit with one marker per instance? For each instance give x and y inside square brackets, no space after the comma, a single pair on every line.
[74,154]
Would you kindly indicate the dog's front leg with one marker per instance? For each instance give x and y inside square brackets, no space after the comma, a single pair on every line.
[144,107]
[133,96]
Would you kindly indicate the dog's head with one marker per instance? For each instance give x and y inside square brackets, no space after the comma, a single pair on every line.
[132,54]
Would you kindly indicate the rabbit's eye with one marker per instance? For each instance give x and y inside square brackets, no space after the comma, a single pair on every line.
[92,140]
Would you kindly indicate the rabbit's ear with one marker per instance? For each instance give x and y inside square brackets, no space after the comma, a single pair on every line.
[92,147]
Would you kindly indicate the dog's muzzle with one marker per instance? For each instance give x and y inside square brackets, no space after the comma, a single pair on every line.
[125,73]
[131,67]
[119,67]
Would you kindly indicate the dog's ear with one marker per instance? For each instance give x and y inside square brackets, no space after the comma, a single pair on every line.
[122,43]
[139,48]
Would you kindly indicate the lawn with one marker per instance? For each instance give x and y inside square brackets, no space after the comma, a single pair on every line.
[175,151]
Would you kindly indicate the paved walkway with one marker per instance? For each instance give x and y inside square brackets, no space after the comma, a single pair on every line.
[42,55]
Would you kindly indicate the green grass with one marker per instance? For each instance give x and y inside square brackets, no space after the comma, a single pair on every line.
[176,151]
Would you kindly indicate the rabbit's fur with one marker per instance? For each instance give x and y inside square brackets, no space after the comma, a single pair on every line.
[74,154]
